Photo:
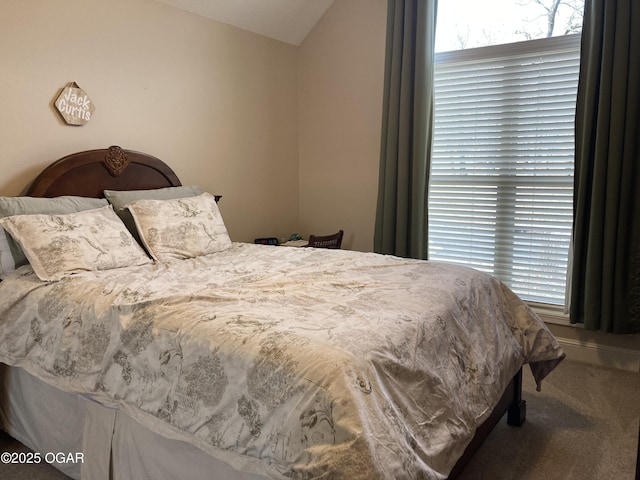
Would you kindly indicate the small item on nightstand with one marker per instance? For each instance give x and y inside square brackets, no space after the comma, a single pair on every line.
[295,240]
[266,241]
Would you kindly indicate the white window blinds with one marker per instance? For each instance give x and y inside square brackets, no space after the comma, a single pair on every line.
[501,185]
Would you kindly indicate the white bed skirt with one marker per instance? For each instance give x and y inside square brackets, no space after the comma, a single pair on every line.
[112,445]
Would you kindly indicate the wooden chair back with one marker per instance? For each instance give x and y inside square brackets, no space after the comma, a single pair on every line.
[326,241]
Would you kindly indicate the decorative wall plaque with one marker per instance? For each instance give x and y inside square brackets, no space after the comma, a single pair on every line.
[74,105]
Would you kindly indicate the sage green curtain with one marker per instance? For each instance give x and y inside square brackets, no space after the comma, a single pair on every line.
[605,282]
[407,116]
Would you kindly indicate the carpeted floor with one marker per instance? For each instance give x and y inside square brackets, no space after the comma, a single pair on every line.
[582,426]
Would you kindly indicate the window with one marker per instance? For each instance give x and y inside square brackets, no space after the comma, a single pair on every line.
[501,185]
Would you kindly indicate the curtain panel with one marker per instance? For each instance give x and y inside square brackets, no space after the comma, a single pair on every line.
[407,117]
[605,277]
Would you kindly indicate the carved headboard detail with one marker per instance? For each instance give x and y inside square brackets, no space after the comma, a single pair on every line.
[116,160]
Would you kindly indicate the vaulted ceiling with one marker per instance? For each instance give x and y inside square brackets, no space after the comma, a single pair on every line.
[286,20]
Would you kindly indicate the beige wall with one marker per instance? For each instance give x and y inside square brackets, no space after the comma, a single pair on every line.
[217,103]
[289,136]
[341,77]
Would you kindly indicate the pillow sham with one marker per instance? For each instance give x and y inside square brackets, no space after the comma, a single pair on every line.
[59,245]
[14,257]
[120,198]
[180,228]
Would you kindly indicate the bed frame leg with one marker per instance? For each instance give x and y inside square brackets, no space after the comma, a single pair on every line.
[517,413]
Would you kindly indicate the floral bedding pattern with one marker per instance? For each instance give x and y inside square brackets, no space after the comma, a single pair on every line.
[312,363]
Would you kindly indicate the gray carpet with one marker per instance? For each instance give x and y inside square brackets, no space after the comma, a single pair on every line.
[582,426]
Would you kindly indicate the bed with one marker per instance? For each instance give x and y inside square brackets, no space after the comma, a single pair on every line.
[243,361]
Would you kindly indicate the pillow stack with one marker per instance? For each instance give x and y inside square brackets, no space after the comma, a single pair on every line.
[65,235]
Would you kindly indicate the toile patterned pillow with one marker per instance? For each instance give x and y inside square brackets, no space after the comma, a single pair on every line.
[120,198]
[180,228]
[11,256]
[59,245]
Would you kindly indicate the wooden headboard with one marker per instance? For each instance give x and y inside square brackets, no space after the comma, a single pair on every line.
[89,173]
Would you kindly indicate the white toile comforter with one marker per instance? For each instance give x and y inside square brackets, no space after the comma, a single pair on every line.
[302,362]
